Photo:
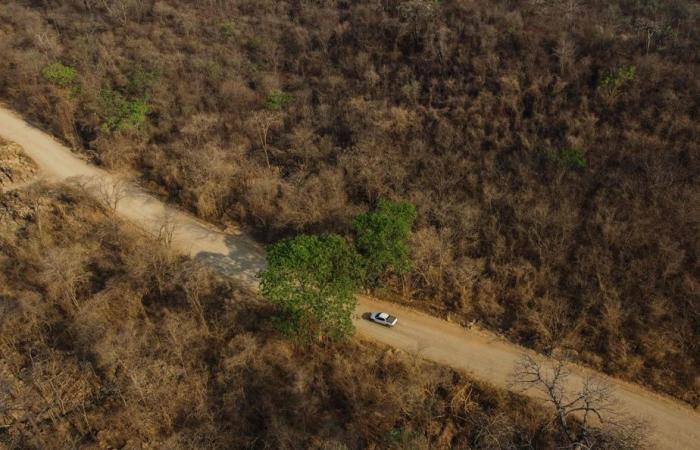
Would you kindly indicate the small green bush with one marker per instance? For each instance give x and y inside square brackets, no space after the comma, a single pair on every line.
[252,45]
[60,74]
[612,83]
[411,90]
[278,100]
[121,112]
[140,81]
[227,29]
[573,158]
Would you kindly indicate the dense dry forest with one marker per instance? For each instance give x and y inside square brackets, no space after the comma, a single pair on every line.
[550,146]
[109,340]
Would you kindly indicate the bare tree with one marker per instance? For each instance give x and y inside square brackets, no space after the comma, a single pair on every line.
[651,29]
[162,257]
[418,16]
[570,10]
[196,283]
[199,126]
[265,121]
[166,230]
[111,192]
[122,11]
[566,53]
[64,272]
[36,205]
[589,416]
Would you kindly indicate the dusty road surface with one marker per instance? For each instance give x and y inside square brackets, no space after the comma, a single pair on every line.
[487,357]
[673,425]
[233,252]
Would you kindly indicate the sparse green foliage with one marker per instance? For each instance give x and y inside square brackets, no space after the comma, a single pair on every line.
[612,83]
[406,439]
[252,45]
[121,112]
[573,158]
[140,81]
[278,100]
[312,280]
[60,74]
[127,107]
[227,29]
[381,238]
[411,90]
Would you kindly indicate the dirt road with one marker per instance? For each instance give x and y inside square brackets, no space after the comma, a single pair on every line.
[232,252]
[674,425]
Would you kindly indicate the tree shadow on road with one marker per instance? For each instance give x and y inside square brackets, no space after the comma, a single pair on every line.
[243,261]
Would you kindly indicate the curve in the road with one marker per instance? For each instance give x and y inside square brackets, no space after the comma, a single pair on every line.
[674,425]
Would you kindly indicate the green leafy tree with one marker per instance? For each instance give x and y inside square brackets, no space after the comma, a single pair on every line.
[312,280]
[382,238]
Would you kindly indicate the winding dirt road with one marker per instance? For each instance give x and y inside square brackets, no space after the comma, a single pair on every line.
[673,425]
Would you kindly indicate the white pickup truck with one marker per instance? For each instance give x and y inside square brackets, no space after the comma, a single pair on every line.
[383,318]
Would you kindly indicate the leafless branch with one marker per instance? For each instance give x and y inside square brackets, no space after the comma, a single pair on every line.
[589,415]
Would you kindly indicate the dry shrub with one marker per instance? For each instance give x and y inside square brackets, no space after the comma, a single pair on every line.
[546,177]
[153,350]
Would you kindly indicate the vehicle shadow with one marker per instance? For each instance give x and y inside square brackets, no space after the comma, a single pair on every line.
[365,316]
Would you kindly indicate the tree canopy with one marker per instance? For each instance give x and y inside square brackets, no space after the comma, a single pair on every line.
[382,238]
[311,279]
